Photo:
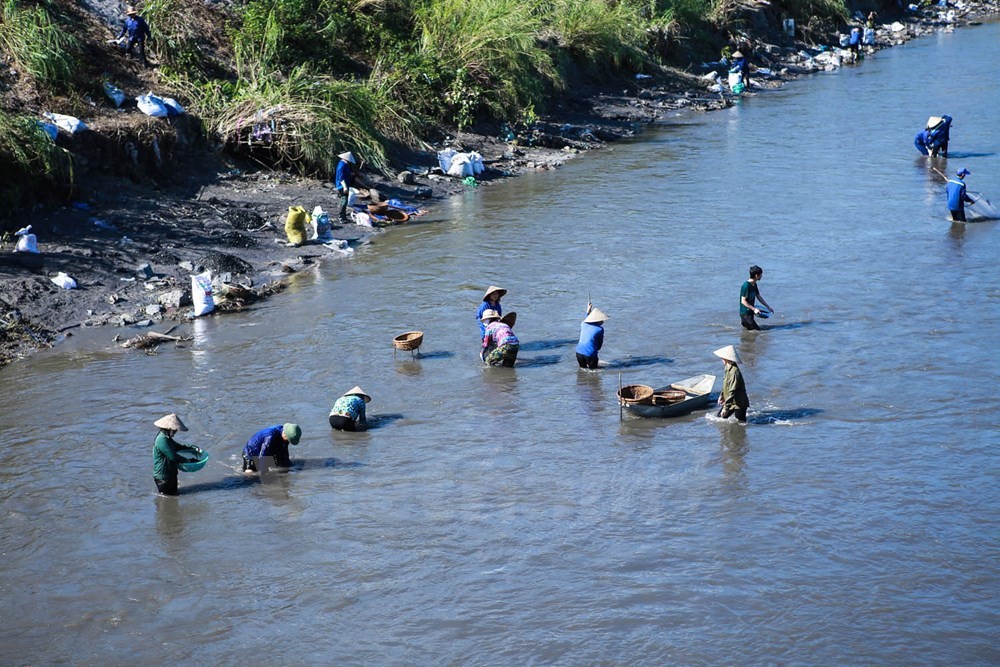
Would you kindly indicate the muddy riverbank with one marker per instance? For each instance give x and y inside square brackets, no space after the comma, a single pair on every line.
[131,247]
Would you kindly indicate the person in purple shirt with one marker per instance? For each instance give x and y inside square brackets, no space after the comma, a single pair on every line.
[591,337]
[500,345]
[271,441]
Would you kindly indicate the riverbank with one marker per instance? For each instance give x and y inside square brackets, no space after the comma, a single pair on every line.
[132,247]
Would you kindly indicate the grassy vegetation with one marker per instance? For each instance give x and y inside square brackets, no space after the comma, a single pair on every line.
[29,160]
[36,44]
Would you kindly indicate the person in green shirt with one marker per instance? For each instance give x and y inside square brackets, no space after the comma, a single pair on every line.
[733,398]
[167,453]
[749,293]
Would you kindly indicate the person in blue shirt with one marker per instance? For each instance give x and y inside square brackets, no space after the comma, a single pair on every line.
[348,413]
[741,64]
[591,337]
[342,181]
[933,139]
[137,31]
[957,196]
[271,441]
[491,301]
[854,42]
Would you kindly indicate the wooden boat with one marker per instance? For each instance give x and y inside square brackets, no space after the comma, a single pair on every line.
[674,400]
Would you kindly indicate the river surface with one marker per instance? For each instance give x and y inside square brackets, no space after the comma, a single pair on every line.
[508,516]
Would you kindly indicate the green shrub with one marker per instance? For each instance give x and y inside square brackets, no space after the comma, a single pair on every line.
[31,165]
[36,44]
[601,35]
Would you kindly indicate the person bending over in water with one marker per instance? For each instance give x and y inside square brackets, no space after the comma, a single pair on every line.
[500,345]
[348,413]
[271,441]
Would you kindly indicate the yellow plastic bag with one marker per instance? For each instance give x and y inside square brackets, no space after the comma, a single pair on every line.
[295,225]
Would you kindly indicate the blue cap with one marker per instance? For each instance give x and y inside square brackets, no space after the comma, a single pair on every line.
[963,172]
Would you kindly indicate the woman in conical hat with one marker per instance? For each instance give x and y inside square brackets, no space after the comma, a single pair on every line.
[733,398]
[500,345]
[591,337]
[167,453]
[491,301]
[348,412]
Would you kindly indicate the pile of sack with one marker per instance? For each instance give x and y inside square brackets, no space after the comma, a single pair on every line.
[460,165]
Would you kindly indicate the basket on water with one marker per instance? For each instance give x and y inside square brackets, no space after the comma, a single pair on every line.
[192,465]
[635,393]
[395,215]
[410,340]
[669,396]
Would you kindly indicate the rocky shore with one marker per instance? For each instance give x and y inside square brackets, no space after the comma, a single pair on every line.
[132,247]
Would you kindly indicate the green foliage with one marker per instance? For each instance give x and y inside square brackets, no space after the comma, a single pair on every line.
[30,163]
[277,35]
[682,12]
[599,34]
[175,38]
[36,44]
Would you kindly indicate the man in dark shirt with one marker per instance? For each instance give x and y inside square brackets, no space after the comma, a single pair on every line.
[137,31]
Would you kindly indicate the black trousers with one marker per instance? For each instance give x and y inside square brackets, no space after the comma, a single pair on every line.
[586,362]
[741,413]
[342,423]
[142,50]
[959,215]
[167,487]
[749,322]
[344,195]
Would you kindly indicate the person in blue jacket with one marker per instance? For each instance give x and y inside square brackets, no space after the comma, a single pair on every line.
[741,64]
[933,139]
[491,301]
[854,42]
[591,337]
[137,31]
[271,441]
[342,181]
[957,196]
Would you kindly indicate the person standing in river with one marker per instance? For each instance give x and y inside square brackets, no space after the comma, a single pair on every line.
[491,301]
[957,196]
[167,453]
[591,337]
[342,181]
[749,293]
[733,399]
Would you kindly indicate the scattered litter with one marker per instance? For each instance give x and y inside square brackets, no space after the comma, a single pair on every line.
[27,242]
[64,281]
[460,165]
[897,27]
[49,129]
[641,77]
[69,123]
[320,224]
[100,224]
[295,225]
[127,280]
[471,181]
[114,93]
[201,293]
[151,105]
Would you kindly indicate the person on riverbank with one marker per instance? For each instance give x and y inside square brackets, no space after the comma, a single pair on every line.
[491,301]
[167,453]
[741,64]
[136,31]
[348,412]
[749,294]
[500,345]
[957,196]
[342,182]
[733,399]
[854,43]
[271,441]
[591,337]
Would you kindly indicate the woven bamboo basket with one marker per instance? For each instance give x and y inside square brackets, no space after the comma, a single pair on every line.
[378,208]
[395,215]
[408,341]
[631,394]
[669,396]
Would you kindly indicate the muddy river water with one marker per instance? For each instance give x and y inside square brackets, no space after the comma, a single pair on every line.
[508,516]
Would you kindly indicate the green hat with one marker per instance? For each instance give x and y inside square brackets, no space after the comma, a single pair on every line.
[292,432]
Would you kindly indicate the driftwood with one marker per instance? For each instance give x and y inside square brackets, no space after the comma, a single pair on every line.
[237,297]
[152,340]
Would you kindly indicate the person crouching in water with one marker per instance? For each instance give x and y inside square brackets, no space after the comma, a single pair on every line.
[271,441]
[348,413]
[591,337]
[500,345]
[733,399]
[166,453]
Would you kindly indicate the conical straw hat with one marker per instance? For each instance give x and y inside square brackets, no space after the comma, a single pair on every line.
[509,319]
[934,120]
[596,315]
[491,289]
[348,156]
[358,391]
[170,422]
[490,314]
[728,353]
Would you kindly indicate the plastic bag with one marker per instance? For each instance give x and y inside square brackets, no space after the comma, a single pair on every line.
[114,93]
[736,82]
[461,166]
[295,225]
[64,281]
[869,39]
[320,223]
[476,160]
[173,106]
[69,123]
[201,293]
[27,241]
[151,105]
[444,158]
[352,196]
[49,129]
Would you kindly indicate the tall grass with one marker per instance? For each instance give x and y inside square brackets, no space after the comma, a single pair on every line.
[37,44]
[176,39]
[599,34]
[30,163]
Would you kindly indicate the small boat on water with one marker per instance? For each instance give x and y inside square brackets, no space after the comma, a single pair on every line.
[673,400]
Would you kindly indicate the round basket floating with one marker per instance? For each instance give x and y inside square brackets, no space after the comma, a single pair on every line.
[395,215]
[669,396]
[635,393]
[193,465]
[379,208]
[408,341]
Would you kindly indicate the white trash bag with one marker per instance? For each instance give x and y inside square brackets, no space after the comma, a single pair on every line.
[477,163]
[64,281]
[114,93]
[71,124]
[320,224]
[201,293]
[151,105]
[27,241]
[461,166]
